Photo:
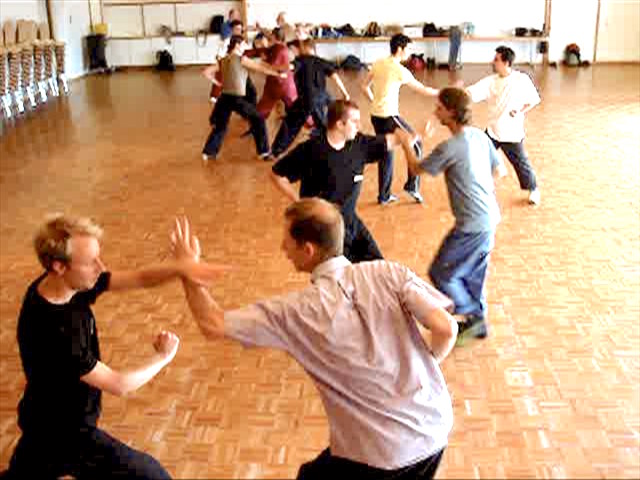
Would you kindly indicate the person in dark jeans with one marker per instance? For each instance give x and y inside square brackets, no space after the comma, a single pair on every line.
[65,377]
[382,86]
[469,161]
[510,94]
[235,71]
[310,77]
[331,166]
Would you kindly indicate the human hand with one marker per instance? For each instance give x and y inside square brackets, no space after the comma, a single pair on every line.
[166,344]
[430,128]
[184,245]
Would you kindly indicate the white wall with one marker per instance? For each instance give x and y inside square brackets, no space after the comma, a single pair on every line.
[71,25]
[573,22]
[619,31]
[491,17]
[23,9]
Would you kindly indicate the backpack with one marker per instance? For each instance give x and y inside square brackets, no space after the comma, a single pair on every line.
[430,30]
[216,24]
[351,62]
[416,63]
[372,30]
[165,61]
[346,30]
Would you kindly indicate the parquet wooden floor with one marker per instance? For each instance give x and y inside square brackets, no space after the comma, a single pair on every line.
[554,392]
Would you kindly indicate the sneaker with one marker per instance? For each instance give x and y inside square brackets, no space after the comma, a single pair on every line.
[390,199]
[534,197]
[267,157]
[415,195]
[472,327]
[206,158]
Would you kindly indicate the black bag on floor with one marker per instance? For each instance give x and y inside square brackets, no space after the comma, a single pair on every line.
[165,61]
[351,62]
[216,24]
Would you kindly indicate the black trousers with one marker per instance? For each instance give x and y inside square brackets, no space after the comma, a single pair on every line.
[359,245]
[518,157]
[384,125]
[90,454]
[327,466]
[224,107]
[296,117]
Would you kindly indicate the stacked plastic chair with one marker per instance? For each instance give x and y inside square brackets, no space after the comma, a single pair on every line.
[5,97]
[49,58]
[38,69]
[14,57]
[26,35]
[60,51]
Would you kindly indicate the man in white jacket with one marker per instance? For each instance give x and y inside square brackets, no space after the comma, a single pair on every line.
[510,94]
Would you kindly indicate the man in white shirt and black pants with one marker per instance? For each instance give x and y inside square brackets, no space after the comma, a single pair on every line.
[355,332]
[510,94]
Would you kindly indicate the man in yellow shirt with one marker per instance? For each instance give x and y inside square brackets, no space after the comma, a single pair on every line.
[382,87]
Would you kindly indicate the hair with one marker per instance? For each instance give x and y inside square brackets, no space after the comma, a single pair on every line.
[319,222]
[307,46]
[338,110]
[259,36]
[399,40]
[235,23]
[52,241]
[233,41]
[294,44]
[506,54]
[457,101]
[278,34]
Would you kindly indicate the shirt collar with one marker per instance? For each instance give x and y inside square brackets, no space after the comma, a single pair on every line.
[327,267]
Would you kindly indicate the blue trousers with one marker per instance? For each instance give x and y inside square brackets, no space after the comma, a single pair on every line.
[460,270]
[89,454]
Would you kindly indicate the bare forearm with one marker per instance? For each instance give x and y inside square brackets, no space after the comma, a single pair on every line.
[205,310]
[285,187]
[444,331]
[338,80]
[131,380]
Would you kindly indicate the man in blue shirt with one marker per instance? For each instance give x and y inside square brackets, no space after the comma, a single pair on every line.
[227,27]
[468,160]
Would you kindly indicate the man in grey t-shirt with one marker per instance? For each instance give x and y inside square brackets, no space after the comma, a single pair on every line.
[468,160]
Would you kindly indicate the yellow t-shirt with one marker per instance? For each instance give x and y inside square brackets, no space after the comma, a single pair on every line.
[387,78]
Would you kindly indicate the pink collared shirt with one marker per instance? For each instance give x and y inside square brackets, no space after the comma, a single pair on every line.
[354,331]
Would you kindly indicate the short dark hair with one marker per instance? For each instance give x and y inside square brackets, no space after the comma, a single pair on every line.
[506,54]
[233,41]
[338,111]
[319,222]
[457,101]
[399,40]
[235,23]
[278,34]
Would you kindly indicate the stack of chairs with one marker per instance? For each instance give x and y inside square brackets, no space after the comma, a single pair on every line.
[32,66]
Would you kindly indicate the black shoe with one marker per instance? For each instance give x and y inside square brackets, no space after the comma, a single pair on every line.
[472,327]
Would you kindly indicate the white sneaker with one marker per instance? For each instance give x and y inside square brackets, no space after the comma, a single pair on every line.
[534,197]
[206,158]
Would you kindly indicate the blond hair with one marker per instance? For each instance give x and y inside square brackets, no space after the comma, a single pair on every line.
[52,240]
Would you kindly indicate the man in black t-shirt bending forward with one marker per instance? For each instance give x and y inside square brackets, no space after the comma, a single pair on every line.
[330,165]
[58,341]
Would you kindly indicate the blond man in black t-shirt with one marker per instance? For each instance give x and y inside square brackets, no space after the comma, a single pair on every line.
[60,352]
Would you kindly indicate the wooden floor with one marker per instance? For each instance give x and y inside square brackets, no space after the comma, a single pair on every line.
[554,392]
